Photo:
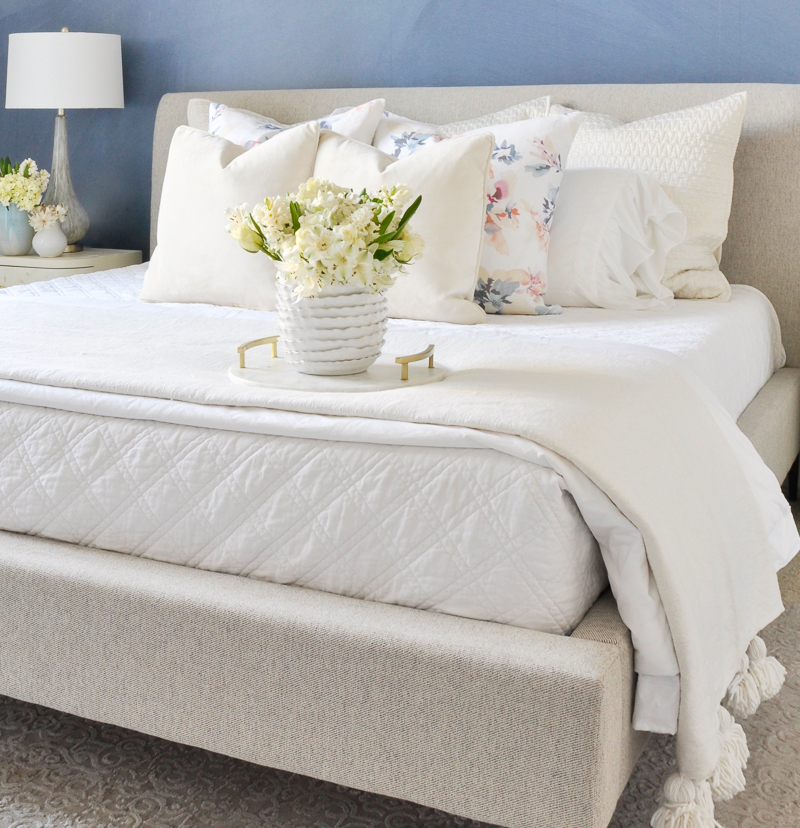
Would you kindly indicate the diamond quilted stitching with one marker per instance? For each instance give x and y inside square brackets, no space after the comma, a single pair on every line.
[466,531]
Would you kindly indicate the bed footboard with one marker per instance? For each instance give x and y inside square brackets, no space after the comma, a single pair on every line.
[772,421]
[513,727]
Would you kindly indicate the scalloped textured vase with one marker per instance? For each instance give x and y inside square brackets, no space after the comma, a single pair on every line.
[339,332]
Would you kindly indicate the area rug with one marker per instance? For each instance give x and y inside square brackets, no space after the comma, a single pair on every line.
[59,771]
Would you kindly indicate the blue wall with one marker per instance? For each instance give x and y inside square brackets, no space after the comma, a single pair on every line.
[189,45]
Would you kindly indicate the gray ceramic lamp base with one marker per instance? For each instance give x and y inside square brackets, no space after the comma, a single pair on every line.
[60,191]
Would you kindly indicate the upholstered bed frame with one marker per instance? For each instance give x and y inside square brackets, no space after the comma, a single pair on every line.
[520,728]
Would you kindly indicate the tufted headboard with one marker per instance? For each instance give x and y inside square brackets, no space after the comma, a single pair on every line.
[763,245]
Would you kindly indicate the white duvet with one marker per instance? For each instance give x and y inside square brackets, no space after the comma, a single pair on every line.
[732,348]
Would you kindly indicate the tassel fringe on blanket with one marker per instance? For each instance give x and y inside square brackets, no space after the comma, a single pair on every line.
[688,803]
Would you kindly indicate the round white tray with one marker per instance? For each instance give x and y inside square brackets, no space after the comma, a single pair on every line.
[382,376]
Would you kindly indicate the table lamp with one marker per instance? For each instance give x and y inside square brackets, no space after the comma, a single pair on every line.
[64,70]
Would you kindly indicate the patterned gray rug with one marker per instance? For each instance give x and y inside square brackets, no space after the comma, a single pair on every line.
[58,771]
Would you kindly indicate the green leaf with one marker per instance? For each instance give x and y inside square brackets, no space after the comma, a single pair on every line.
[255,227]
[409,213]
[294,209]
[380,255]
[386,237]
[385,223]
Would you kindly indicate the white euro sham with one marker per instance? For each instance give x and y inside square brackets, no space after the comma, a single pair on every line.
[690,154]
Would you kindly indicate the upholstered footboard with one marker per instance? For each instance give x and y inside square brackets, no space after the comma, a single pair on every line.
[487,721]
[772,421]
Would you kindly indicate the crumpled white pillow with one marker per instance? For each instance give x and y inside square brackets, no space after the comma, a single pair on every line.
[609,241]
[399,136]
[690,154]
[247,129]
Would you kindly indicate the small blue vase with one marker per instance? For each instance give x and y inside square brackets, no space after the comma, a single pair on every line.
[16,235]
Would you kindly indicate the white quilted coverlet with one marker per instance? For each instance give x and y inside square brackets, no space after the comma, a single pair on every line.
[364,507]
[371,521]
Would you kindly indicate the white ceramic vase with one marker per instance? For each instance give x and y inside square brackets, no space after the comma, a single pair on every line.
[50,242]
[339,332]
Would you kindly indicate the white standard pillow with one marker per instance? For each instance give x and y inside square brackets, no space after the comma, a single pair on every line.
[690,154]
[450,177]
[399,136]
[609,241]
[249,128]
[196,260]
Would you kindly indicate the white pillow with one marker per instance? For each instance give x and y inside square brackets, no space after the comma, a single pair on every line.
[249,128]
[609,242]
[450,177]
[690,154]
[399,136]
[196,260]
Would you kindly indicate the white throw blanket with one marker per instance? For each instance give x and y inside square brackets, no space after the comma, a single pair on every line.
[631,419]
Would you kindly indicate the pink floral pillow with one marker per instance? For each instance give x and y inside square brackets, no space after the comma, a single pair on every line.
[524,179]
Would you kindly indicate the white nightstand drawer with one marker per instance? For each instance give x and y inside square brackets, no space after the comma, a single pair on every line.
[22,270]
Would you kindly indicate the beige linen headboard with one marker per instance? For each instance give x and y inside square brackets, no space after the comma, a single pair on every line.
[763,245]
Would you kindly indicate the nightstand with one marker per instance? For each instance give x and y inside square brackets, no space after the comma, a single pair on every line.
[21,270]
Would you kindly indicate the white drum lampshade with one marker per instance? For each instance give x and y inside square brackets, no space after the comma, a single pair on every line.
[64,70]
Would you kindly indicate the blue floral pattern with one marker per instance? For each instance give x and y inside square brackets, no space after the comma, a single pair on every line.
[525,174]
[249,129]
[408,143]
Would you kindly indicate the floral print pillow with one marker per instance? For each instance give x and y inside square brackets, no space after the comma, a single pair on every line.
[400,137]
[248,129]
[522,189]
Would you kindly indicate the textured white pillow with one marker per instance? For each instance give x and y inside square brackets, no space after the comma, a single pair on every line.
[249,128]
[450,176]
[690,154]
[399,136]
[609,241]
[196,260]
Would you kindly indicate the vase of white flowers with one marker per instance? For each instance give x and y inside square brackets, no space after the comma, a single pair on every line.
[21,189]
[337,252]
[49,240]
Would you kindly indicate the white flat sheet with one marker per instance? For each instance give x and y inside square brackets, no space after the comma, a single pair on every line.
[733,348]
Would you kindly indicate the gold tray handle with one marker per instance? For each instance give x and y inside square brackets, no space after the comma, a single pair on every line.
[267,340]
[403,361]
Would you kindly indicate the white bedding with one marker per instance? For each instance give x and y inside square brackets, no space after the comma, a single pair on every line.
[733,347]
[94,440]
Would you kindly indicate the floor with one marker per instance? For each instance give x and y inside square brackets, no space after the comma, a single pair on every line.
[58,771]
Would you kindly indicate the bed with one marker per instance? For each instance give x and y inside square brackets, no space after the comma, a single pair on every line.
[237,665]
